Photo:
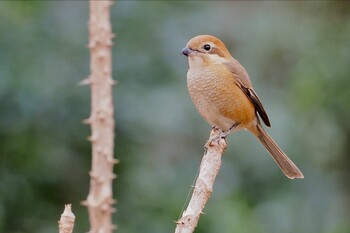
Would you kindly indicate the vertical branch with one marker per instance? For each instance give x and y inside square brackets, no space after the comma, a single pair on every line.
[66,223]
[209,169]
[100,199]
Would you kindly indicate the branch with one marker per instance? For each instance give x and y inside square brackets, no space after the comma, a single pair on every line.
[209,168]
[66,223]
[100,199]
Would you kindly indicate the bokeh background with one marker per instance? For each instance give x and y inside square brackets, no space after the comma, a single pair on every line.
[297,55]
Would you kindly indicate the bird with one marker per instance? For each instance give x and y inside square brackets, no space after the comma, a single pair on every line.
[222,92]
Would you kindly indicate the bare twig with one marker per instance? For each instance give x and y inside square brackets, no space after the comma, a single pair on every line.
[209,169]
[100,199]
[66,223]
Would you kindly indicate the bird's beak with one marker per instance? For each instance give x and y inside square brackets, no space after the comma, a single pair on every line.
[186,51]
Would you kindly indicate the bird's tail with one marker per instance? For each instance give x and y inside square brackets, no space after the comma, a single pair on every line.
[286,165]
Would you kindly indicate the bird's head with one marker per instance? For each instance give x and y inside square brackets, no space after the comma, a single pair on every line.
[205,50]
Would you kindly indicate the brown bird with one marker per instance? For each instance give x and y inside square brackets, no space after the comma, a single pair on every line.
[221,90]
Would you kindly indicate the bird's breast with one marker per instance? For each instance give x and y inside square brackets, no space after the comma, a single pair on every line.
[217,97]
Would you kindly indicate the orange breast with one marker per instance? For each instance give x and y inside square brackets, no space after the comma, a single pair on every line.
[218,99]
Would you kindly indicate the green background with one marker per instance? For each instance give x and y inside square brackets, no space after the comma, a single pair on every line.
[297,55]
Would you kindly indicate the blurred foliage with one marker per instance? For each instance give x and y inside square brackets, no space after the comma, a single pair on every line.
[297,55]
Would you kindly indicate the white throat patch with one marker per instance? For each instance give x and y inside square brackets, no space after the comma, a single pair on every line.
[216,59]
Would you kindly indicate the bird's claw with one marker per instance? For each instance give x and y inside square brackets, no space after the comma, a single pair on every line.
[222,134]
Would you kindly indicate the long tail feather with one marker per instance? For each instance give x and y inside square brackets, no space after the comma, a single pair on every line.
[286,165]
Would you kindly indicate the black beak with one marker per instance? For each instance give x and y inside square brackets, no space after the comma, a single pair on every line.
[186,51]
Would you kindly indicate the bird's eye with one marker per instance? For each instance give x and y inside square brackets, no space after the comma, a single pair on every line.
[206,47]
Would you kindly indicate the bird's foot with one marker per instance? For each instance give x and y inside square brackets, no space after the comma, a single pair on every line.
[214,139]
[220,134]
[223,134]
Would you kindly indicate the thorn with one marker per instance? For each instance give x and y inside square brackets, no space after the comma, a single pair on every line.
[93,175]
[91,44]
[87,121]
[106,70]
[101,115]
[100,179]
[86,81]
[92,138]
[112,201]
[104,207]
[113,161]
[112,82]
[84,203]
[101,54]
[109,42]
[99,150]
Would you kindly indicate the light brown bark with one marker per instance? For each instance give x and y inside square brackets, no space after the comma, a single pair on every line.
[100,199]
[66,223]
[209,169]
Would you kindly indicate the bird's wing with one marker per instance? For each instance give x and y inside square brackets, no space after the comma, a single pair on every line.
[242,79]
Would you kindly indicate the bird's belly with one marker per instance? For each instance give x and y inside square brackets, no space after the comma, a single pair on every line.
[212,115]
[220,101]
